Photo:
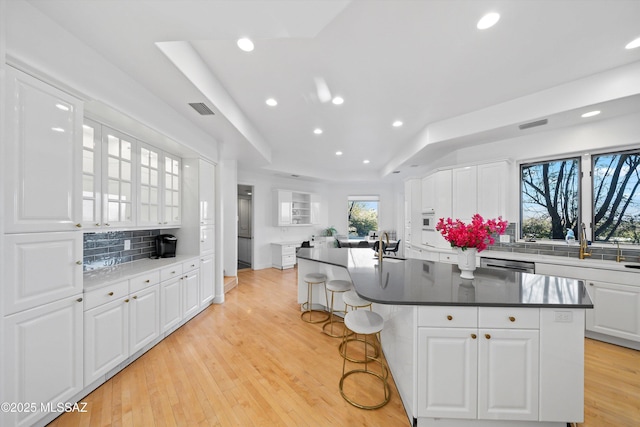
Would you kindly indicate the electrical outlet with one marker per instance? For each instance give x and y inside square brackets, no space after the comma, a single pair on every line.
[563,316]
[127,245]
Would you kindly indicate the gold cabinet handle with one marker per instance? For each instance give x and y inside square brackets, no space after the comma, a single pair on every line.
[79,225]
[97,224]
[127,300]
[474,336]
[107,224]
[147,281]
[487,336]
[449,317]
[590,284]
[79,262]
[110,294]
[135,297]
[513,319]
[79,300]
[173,272]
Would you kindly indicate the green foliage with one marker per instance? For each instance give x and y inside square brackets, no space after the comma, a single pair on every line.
[362,218]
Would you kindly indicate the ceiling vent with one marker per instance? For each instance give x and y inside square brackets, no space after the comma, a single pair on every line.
[201,108]
[533,124]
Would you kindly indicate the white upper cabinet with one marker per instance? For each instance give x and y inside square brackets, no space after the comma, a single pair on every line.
[91,174]
[119,179]
[149,190]
[465,193]
[428,193]
[172,203]
[42,157]
[283,207]
[493,179]
[207,192]
[296,208]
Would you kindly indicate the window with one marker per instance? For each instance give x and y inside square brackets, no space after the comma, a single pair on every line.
[362,216]
[616,202]
[550,199]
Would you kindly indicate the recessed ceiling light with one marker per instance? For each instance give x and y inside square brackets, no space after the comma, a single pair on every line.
[397,124]
[366,162]
[245,44]
[271,102]
[248,193]
[338,100]
[633,44]
[591,114]
[338,153]
[488,20]
[317,131]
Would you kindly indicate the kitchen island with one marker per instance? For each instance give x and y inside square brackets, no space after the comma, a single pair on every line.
[503,349]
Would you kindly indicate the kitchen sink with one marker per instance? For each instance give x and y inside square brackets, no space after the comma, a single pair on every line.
[636,266]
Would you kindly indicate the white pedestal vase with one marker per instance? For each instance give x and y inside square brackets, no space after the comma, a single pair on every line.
[467,262]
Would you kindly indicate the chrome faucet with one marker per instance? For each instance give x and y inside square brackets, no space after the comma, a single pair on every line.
[380,247]
[584,249]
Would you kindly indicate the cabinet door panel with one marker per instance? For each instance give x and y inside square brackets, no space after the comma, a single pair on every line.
[465,193]
[447,372]
[616,310]
[42,158]
[207,190]
[207,280]
[43,356]
[190,299]
[492,189]
[170,303]
[207,239]
[106,338]
[41,267]
[508,365]
[144,318]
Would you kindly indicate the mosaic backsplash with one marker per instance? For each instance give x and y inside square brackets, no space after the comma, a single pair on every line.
[562,249]
[107,249]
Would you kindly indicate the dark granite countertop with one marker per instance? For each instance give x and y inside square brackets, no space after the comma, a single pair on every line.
[417,282]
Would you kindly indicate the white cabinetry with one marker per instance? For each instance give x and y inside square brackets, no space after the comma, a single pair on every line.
[144,317]
[480,189]
[296,208]
[190,289]
[478,363]
[207,192]
[465,193]
[42,353]
[40,268]
[616,310]
[149,186]
[42,156]
[119,179]
[283,255]
[413,205]
[170,303]
[207,280]
[428,192]
[172,214]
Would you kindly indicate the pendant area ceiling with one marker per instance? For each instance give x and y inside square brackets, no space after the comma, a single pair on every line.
[419,62]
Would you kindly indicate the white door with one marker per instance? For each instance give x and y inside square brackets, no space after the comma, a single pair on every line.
[508,362]
[170,303]
[190,298]
[447,372]
[207,190]
[106,338]
[40,268]
[42,349]
[616,310]
[42,156]
[207,280]
[144,317]
[465,194]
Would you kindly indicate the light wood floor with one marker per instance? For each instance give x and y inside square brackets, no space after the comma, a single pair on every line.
[252,362]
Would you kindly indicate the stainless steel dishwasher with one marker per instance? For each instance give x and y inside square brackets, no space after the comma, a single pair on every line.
[508,264]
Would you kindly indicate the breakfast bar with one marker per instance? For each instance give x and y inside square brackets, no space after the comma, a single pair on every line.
[503,349]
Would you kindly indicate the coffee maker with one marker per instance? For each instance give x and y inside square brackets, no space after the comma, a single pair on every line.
[166,245]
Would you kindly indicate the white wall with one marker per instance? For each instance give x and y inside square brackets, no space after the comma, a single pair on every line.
[229,208]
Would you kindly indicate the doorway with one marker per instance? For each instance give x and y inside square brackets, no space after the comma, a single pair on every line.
[245,233]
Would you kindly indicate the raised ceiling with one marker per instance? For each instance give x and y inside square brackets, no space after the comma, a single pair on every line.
[420,62]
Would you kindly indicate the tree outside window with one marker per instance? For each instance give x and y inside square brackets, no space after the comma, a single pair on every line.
[616,200]
[362,216]
[550,199]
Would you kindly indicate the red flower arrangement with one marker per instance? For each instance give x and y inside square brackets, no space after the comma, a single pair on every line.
[479,234]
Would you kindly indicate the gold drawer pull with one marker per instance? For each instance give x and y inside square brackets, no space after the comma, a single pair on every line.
[173,272]
[79,225]
[474,336]
[513,319]
[110,294]
[127,300]
[487,336]
[147,281]
[79,300]
[449,317]
[135,297]
[79,262]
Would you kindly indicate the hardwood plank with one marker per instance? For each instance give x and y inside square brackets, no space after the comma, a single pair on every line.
[252,362]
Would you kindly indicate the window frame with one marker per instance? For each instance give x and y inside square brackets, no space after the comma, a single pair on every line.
[363,198]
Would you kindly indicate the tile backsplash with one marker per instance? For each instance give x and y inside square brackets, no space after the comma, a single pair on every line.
[604,252]
[107,249]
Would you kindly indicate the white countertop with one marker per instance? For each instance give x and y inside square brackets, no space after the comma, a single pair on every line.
[101,277]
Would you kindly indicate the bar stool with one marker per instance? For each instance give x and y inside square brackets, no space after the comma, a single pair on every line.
[333,286]
[368,324]
[353,301]
[314,279]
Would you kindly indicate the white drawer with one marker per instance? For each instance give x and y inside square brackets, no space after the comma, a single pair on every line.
[449,258]
[288,249]
[288,260]
[142,281]
[171,272]
[453,317]
[509,318]
[106,294]
[190,265]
